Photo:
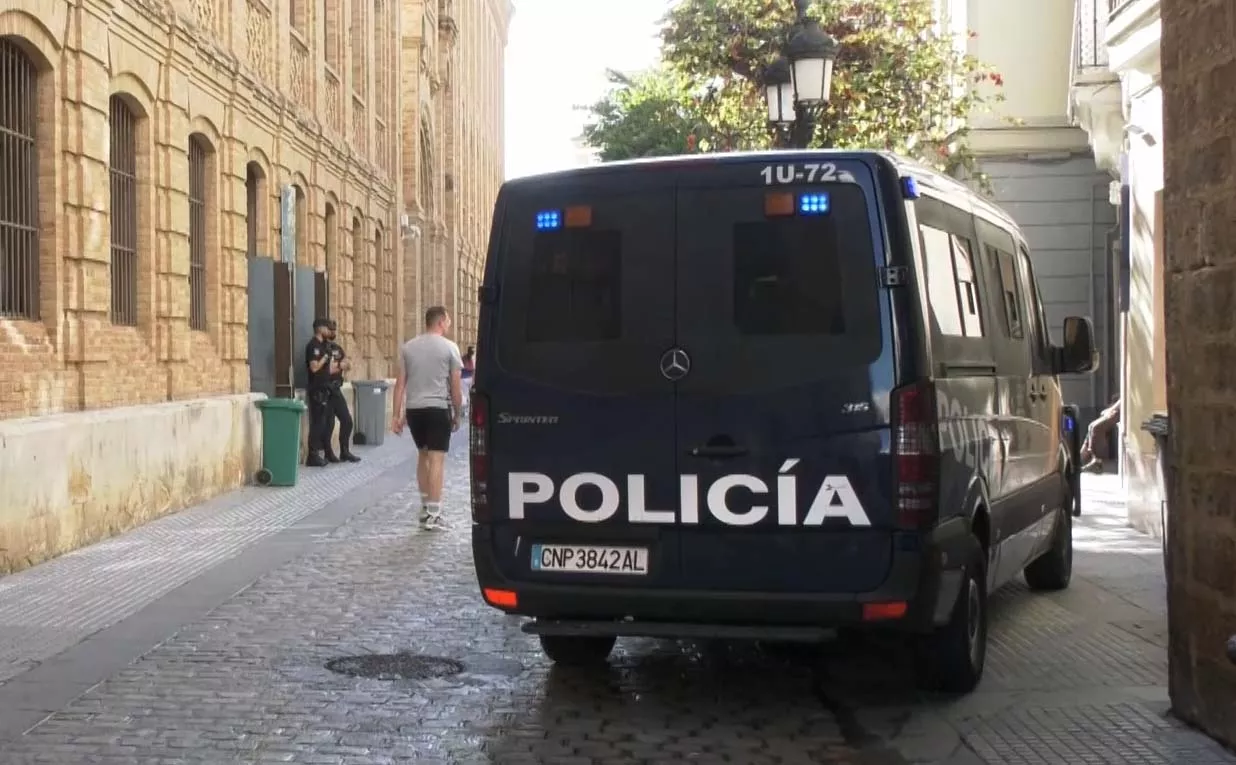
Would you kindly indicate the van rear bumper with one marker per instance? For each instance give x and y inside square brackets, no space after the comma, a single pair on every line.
[925,575]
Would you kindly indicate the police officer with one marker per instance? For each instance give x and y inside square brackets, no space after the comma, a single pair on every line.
[319,361]
[338,403]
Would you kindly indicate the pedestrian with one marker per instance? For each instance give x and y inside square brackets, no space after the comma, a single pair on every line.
[319,361]
[429,386]
[338,403]
[467,373]
[1095,448]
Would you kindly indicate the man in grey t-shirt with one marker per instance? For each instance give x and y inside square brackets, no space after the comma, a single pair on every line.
[429,388]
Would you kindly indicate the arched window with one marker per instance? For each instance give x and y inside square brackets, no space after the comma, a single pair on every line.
[360,273]
[380,285]
[256,207]
[200,188]
[426,178]
[302,227]
[122,167]
[324,300]
[19,184]
[332,241]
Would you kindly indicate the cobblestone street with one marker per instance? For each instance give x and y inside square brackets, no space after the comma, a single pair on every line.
[205,637]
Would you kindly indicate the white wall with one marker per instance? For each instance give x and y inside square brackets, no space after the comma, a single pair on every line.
[1029,43]
[71,479]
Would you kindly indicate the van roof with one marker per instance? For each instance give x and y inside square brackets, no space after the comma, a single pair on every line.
[945,187]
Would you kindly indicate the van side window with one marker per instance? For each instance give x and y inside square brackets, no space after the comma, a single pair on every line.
[1035,313]
[1010,289]
[942,284]
[951,283]
[575,292]
[967,287]
[787,278]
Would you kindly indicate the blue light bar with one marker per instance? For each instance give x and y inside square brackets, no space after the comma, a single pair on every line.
[909,187]
[814,204]
[1069,423]
[549,220]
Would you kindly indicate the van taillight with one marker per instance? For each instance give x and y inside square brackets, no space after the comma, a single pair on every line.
[916,453]
[478,456]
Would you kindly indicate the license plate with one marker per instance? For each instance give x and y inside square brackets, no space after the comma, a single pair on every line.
[590,559]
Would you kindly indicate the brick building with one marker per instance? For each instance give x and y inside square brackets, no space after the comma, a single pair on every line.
[453,115]
[184,184]
[1199,66]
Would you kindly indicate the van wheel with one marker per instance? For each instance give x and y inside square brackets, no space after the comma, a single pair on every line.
[1053,570]
[953,656]
[576,650]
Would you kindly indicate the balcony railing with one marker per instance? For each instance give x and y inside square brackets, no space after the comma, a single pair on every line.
[1114,6]
[1090,33]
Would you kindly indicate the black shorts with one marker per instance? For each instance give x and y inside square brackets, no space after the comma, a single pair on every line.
[431,428]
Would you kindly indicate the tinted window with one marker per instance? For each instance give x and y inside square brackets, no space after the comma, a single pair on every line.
[951,283]
[941,280]
[588,309]
[1034,307]
[787,280]
[767,301]
[1010,291]
[575,292]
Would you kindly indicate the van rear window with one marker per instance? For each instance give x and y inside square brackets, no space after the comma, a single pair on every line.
[575,289]
[787,281]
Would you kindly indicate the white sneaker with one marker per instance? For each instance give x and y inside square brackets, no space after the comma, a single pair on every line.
[434,522]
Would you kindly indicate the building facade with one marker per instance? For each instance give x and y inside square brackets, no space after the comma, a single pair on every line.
[453,163]
[152,143]
[1043,170]
[1199,204]
[184,186]
[1117,97]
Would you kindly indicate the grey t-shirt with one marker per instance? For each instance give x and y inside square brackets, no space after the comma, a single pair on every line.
[428,361]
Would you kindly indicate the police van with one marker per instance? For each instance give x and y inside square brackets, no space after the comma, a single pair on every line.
[766,396]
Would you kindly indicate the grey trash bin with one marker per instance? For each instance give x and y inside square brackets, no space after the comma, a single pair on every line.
[370,411]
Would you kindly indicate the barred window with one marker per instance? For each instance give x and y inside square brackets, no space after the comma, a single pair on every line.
[19,176]
[359,275]
[199,158]
[123,172]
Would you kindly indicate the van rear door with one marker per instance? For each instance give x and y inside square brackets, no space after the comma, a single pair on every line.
[784,414]
[582,420]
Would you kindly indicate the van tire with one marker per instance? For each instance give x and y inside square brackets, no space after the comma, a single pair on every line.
[952,657]
[1053,570]
[577,650]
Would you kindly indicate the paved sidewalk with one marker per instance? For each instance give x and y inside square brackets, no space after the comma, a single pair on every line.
[53,606]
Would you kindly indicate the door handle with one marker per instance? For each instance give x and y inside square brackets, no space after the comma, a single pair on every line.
[719,452]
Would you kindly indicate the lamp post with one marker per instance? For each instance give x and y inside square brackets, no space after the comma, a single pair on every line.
[798,84]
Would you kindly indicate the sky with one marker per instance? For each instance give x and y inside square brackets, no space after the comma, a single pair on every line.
[556,56]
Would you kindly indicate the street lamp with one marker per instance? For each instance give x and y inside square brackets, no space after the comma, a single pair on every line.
[797,85]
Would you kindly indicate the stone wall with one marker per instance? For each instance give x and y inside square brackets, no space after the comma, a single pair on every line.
[1199,67]
[73,479]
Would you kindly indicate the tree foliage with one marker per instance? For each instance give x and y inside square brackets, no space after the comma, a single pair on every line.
[899,84]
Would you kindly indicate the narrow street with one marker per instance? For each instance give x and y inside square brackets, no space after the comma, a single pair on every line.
[206,637]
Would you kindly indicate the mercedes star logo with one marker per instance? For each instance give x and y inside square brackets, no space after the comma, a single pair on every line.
[675,364]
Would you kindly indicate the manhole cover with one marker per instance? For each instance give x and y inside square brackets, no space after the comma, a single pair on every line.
[395,666]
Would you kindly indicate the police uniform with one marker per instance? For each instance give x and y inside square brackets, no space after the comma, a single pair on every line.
[318,394]
[338,410]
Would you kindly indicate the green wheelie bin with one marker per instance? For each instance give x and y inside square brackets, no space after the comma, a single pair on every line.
[280,441]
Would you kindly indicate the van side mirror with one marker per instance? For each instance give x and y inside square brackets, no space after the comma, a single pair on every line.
[1078,355]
